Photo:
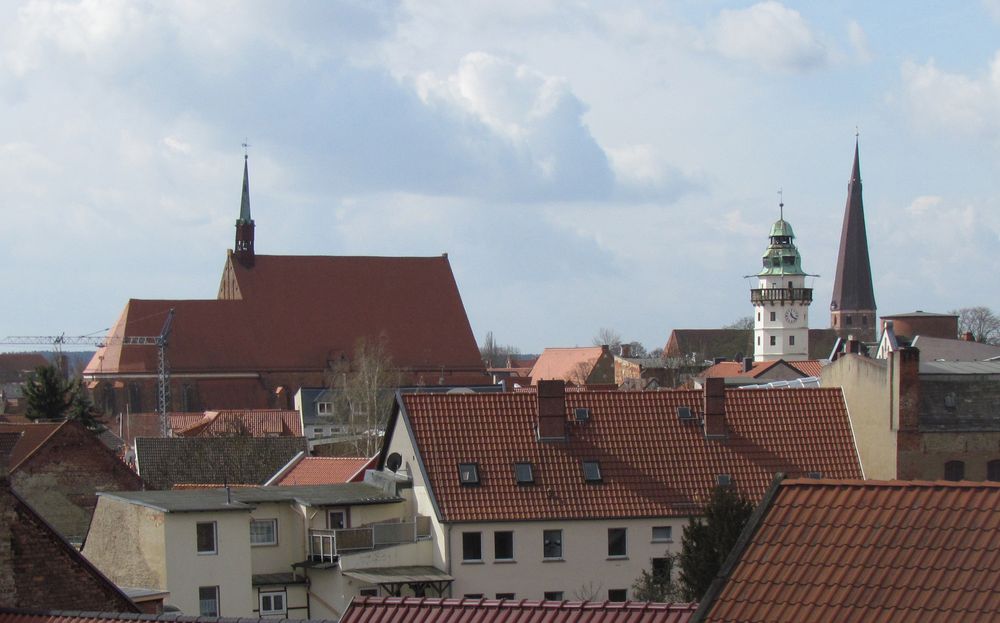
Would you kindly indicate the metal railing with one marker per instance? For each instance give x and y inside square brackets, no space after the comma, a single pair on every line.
[772,295]
[324,545]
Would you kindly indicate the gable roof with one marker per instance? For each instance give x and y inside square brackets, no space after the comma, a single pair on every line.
[865,551]
[436,610]
[707,344]
[323,470]
[252,422]
[652,463]
[302,312]
[565,364]
[734,369]
[163,463]
[33,436]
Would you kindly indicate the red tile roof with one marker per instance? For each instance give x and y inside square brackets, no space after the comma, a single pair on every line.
[33,435]
[301,312]
[434,610]
[869,551]
[565,364]
[730,369]
[252,422]
[653,464]
[323,470]
[810,367]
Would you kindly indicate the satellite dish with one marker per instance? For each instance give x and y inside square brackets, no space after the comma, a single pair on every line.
[393,462]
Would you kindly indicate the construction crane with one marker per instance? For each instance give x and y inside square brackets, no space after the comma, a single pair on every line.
[160,341]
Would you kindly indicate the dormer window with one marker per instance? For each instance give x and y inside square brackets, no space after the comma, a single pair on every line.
[724,480]
[523,474]
[324,408]
[468,474]
[591,471]
[582,414]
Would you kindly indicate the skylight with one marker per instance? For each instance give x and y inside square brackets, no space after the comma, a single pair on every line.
[592,471]
[523,473]
[468,474]
[582,414]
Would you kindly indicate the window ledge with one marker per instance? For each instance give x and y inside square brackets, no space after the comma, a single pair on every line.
[472,562]
[553,560]
[617,558]
[505,561]
[662,541]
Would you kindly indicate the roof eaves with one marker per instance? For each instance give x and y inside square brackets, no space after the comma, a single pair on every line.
[420,459]
[749,530]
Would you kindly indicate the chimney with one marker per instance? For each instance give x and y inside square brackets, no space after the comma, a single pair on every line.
[626,350]
[551,410]
[747,364]
[968,337]
[718,360]
[907,370]
[715,408]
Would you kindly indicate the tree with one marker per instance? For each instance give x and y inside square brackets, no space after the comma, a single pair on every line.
[637,350]
[365,388]
[981,322]
[495,355]
[50,396]
[656,585]
[609,337]
[707,543]
[744,323]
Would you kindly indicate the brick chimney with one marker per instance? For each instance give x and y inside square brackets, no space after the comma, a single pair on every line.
[906,363]
[747,364]
[551,410]
[968,337]
[715,408]
[626,350]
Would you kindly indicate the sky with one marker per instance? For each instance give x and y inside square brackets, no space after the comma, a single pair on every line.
[583,164]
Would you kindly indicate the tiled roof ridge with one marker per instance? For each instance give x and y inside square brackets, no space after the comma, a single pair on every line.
[466,602]
[69,615]
[900,484]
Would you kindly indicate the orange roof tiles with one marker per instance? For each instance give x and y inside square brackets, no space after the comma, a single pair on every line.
[810,367]
[567,364]
[652,463]
[253,422]
[324,470]
[434,610]
[725,369]
[869,551]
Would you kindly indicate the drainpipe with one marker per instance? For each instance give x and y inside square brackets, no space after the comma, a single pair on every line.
[447,556]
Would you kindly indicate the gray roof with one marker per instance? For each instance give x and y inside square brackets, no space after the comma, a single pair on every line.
[932,348]
[245,498]
[164,462]
[959,367]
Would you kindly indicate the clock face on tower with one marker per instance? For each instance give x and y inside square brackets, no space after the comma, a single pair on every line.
[791,316]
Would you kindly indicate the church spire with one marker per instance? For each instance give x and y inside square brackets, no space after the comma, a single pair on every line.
[244,224]
[852,310]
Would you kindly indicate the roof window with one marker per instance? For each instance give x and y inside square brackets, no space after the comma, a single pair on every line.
[523,474]
[592,471]
[724,480]
[684,413]
[582,414]
[468,474]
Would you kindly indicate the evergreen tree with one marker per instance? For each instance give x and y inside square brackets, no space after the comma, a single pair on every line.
[707,543]
[50,396]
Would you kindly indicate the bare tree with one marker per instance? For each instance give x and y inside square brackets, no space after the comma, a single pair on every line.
[746,322]
[589,591]
[495,355]
[580,373]
[364,388]
[981,322]
[608,336]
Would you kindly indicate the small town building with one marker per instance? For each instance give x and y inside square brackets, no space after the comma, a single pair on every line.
[579,366]
[167,462]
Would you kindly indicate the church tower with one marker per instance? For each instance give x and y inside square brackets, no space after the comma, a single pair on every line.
[852,310]
[244,225]
[781,299]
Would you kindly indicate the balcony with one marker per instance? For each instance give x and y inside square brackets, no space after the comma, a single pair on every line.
[760,296]
[326,545]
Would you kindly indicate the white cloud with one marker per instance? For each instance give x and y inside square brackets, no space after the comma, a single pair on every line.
[953,101]
[769,35]
[859,42]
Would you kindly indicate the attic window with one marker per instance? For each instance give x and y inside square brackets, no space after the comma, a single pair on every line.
[815,475]
[468,474]
[724,480]
[523,474]
[582,414]
[591,471]
[684,413]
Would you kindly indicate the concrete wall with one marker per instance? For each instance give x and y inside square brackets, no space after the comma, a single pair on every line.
[867,391]
[585,570]
[126,543]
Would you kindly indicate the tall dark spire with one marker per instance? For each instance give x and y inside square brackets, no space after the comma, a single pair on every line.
[244,225]
[853,305]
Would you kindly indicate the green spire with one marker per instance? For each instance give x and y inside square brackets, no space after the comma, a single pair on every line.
[781,257]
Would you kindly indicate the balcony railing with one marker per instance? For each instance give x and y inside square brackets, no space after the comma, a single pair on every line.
[325,545]
[783,295]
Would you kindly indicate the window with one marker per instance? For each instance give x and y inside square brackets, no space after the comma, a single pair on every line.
[272,602]
[582,414]
[791,340]
[592,471]
[553,595]
[336,520]
[993,470]
[206,538]
[505,595]
[552,544]
[368,592]
[318,432]
[523,473]
[662,533]
[263,532]
[758,316]
[503,545]
[324,408]
[208,601]
[774,340]
[954,470]
[617,546]
[848,320]
[472,547]
[774,316]
[758,340]
[724,480]
[790,259]
[662,568]
[468,474]
[473,596]
[617,594]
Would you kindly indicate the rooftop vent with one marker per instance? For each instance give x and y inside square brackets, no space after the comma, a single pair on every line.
[468,474]
[582,414]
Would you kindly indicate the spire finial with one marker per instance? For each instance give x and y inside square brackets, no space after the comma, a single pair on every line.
[781,203]
[246,145]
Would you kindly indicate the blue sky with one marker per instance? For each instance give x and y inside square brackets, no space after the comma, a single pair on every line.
[584,165]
